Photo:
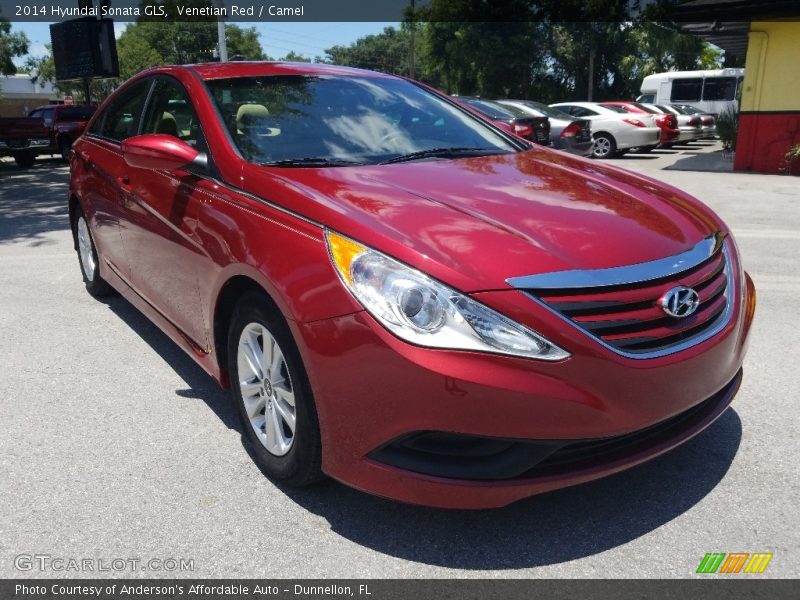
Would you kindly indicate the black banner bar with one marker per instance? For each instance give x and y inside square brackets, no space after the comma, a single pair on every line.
[712,587]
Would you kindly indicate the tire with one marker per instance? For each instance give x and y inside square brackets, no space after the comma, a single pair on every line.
[87,257]
[64,146]
[284,437]
[605,146]
[25,160]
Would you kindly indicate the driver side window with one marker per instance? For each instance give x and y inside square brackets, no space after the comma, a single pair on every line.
[170,112]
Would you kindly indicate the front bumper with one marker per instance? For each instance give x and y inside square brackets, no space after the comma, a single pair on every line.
[574,147]
[689,134]
[373,389]
[669,136]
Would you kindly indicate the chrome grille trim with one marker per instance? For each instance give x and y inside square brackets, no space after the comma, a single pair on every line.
[638,273]
[722,320]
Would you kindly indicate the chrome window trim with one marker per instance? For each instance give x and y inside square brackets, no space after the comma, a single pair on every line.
[723,320]
[638,273]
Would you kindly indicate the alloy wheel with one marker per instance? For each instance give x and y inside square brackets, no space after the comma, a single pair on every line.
[85,249]
[267,390]
[602,147]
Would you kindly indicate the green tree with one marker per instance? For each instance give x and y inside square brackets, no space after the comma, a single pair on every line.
[387,51]
[43,70]
[11,45]
[292,56]
[243,43]
[148,43]
[135,53]
[657,47]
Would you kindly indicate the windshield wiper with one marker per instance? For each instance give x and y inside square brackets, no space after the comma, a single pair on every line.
[311,161]
[443,153]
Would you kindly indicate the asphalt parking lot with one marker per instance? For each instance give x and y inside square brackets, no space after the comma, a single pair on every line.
[113,444]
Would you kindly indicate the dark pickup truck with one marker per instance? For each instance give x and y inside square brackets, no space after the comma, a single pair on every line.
[48,129]
[22,139]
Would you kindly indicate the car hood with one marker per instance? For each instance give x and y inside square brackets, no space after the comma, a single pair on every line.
[476,222]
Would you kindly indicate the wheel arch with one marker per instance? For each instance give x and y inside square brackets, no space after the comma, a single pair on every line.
[73,206]
[226,300]
[604,132]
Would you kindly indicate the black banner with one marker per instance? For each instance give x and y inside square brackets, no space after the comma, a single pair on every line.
[714,587]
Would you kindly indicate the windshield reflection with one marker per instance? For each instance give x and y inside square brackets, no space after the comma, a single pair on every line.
[343,120]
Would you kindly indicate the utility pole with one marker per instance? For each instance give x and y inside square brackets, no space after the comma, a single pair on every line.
[223,42]
[591,74]
[412,59]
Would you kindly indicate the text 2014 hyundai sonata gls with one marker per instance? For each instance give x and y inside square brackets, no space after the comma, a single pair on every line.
[399,294]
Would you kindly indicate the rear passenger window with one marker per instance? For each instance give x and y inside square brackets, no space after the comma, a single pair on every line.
[686,90]
[120,120]
[580,111]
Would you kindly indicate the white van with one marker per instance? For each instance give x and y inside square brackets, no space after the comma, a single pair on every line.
[711,91]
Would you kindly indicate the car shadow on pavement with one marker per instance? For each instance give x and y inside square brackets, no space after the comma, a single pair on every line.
[548,529]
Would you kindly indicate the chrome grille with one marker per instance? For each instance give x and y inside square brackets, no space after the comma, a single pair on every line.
[627,316]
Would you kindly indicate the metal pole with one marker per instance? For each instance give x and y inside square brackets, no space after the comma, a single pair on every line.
[223,42]
[87,90]
[412,66]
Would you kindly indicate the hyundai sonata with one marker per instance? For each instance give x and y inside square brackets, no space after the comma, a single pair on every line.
[401,295]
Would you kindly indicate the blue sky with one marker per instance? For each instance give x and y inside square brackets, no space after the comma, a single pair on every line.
[277,39]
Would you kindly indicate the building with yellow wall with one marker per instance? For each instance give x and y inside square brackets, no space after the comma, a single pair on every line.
[768,33]
[769,120]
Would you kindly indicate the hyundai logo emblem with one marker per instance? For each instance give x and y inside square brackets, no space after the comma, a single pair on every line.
[679,302]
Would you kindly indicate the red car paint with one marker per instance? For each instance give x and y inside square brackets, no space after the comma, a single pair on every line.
[176,245]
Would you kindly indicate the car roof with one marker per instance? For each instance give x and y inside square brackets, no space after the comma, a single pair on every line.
[596,106]
[210,71]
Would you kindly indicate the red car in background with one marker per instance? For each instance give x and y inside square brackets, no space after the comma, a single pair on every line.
[668,123]
[401,295]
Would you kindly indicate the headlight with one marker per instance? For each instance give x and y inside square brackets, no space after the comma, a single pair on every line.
[425,312]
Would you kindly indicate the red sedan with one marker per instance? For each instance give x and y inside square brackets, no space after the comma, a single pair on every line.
[398,293]
[668,123]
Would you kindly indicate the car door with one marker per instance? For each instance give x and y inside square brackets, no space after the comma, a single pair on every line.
[104,194]
[160,220]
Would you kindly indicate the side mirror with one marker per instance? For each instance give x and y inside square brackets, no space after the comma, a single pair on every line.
[161,151]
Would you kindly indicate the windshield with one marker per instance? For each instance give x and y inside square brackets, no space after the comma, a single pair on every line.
[343,120]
